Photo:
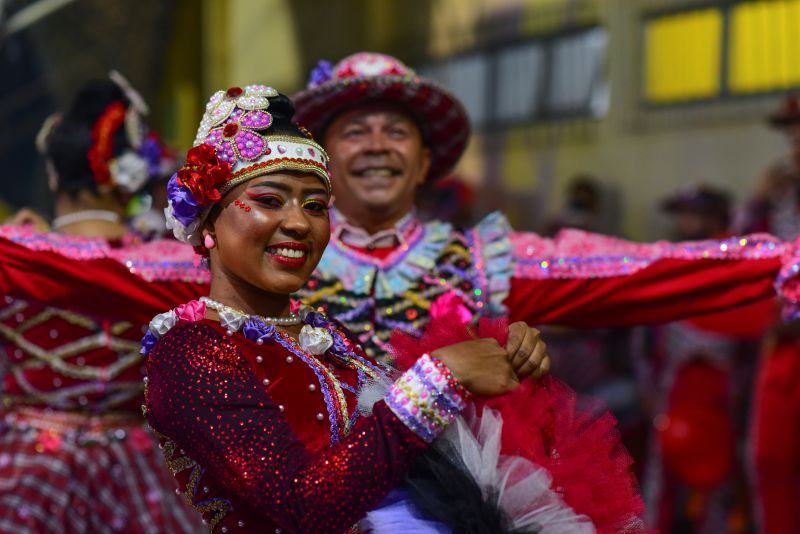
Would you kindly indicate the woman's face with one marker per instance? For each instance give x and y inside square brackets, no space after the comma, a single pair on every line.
[271,232]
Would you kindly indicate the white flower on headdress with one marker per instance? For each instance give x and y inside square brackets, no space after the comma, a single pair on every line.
[129,172]
[186,234]
[223,103]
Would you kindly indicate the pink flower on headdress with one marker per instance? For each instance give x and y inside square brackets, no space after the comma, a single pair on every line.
[238,138]
[370,64]
[230,120]
[191,312]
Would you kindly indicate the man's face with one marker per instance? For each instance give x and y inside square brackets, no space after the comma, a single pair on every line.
[378,161]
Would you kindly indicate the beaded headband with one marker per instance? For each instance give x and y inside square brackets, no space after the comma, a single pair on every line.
[231,147]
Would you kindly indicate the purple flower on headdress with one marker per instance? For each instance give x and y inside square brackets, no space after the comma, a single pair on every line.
[148,342]
[151,152]
[321,73]
[184,206]
[256,330]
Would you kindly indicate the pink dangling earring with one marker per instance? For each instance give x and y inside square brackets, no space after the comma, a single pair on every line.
[209,242]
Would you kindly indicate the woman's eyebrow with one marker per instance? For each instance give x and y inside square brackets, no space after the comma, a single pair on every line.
[274,185]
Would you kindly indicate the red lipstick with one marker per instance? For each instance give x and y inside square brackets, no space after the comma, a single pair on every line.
[289,254]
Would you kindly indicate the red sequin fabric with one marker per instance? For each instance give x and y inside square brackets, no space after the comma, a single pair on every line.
[265,438]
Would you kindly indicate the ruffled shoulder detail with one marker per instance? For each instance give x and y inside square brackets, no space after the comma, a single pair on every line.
[159,260]
[579,255]
[491,247]
[419,260]
[397,273]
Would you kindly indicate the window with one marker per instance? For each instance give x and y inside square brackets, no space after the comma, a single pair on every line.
[547,78]
[765,46]
[736,48]
[519,82]
[577,80]
[683,56]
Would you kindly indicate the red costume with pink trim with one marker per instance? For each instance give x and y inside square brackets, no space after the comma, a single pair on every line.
[71,429]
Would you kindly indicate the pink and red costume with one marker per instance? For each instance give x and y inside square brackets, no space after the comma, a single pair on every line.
[74,453]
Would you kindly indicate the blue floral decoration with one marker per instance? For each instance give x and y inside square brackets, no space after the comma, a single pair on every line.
[148,342]
[321,73]
[257,330]
[184,206]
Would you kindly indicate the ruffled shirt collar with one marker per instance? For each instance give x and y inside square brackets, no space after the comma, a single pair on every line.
[355,236]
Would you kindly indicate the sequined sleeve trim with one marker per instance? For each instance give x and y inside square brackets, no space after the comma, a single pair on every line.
[427,398]
[160,260]
[574,254]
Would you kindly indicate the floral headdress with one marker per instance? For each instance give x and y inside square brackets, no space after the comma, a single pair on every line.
[233,145]
[129,170]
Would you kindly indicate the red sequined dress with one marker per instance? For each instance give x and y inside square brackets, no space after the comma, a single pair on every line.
[267,437]
[74,452]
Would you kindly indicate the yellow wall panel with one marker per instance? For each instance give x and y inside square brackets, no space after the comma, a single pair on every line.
[765,46]
[682,56]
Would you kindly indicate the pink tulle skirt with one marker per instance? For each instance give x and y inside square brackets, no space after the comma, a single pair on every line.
[579,447]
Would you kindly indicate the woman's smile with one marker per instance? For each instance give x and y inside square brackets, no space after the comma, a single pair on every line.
[289,254]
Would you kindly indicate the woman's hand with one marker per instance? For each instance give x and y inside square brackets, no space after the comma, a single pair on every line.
[526,351]
[480,365]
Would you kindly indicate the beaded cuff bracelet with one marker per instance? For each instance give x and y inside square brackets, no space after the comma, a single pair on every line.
[427,398]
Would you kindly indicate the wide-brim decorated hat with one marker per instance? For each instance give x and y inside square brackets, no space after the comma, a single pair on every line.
[371,77]
[788,114]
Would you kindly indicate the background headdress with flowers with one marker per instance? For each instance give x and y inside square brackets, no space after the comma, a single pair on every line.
[233,144]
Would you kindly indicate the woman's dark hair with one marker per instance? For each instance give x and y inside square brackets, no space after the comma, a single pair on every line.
[282,111]
[69,144]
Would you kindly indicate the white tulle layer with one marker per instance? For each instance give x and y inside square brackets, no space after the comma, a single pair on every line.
[522,489]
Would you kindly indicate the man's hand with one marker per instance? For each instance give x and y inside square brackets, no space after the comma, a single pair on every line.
[527,352]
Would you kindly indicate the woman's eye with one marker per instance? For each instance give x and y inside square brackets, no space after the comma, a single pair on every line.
[269,201]
[316,206]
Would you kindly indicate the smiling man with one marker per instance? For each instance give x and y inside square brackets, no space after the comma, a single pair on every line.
[387,132]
